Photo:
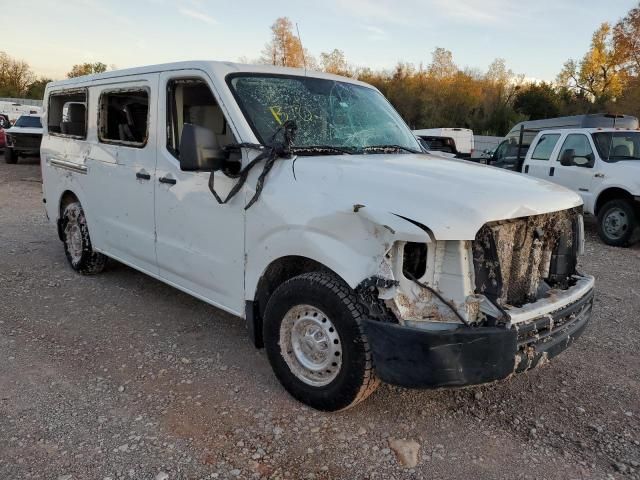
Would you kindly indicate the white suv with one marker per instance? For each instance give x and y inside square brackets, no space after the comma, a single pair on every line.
[600,164]
[299,201]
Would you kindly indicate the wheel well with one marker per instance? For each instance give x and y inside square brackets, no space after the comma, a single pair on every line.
[67,197]
[611,194]
[278,272]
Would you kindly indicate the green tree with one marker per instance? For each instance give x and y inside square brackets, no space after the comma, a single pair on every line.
[537,101]
[86,69]
[35,89]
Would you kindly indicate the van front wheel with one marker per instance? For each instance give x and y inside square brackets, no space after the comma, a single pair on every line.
[315,343]
[617,222]
[77,242]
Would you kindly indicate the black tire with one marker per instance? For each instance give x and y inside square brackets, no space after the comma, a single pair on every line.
[355,379]
[77,242]
[10,155]
[617,212]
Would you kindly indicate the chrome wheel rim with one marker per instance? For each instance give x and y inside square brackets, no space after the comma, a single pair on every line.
[73,234]
[616,223]
[310,345]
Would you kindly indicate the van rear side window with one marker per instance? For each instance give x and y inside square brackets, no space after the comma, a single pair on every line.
[124,117]
[67,115]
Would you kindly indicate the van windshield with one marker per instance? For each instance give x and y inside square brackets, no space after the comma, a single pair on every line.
[28,122]
[328,113]
[616,146]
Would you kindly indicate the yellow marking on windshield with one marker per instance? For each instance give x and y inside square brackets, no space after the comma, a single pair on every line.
[276,112]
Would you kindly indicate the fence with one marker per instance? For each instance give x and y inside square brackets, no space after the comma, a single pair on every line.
[22,101]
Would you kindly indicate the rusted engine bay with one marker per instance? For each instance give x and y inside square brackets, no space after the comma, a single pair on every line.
[517,261]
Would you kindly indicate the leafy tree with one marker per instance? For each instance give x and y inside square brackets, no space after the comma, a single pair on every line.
[442,65]
[86,69]
[626,38]
[600,73]
[35,89]
[537,101]
[335,62]
[15,76]
[284,49]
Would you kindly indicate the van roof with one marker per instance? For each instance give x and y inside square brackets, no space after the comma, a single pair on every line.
[588,130]
[590,120]
[217,67]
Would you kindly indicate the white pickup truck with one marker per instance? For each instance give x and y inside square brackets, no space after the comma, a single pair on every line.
[602,165]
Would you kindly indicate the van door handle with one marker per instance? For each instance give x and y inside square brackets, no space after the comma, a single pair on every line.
[142,175]
[599,175]
[552,170]
[170,181]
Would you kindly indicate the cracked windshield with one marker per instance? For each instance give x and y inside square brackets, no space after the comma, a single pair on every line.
[328,114]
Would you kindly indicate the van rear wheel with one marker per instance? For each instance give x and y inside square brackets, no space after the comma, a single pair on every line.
[617,222]
[77,242]
[315,343]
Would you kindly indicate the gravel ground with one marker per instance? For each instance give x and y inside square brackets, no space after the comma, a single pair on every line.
[119,376]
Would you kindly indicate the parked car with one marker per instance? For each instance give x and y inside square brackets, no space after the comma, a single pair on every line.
[23,138]
[484,146]
[603,166]
[3,139]
[426,148]
[458,141]
[300,201]
[511,152]
[4,121]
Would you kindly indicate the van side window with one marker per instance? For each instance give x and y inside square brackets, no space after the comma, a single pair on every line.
[545,146]
[123,117]
[191,101]
[67,114]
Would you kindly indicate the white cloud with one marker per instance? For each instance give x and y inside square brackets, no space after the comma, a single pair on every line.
[474,11]
[375,33]
[203,17]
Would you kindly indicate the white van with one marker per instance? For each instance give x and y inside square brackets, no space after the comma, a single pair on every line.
[298,201]
[458,141]
[603,166]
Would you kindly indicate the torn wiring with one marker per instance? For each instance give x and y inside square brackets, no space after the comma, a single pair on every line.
[270,153]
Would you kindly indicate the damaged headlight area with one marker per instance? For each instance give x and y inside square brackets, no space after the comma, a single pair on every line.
[423,285]
[439,285]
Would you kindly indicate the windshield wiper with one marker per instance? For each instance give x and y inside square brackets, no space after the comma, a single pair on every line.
[388,149]
[320,150]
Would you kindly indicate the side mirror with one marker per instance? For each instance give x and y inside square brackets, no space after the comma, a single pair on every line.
[199,150]
[566,159]
[586,161]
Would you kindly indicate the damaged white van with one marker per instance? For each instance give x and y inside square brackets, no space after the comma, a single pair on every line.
[300,202]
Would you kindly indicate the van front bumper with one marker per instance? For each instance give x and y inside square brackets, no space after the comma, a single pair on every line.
[415,358]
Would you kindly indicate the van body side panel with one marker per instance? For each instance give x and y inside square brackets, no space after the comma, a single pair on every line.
[200,243]
[122,203]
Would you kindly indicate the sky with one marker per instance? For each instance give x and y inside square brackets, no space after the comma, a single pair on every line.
[534,37]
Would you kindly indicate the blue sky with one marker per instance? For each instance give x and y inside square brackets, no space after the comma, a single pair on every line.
[534,37]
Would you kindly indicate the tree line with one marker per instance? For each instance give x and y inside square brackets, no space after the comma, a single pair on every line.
[17,80]
[441,93]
